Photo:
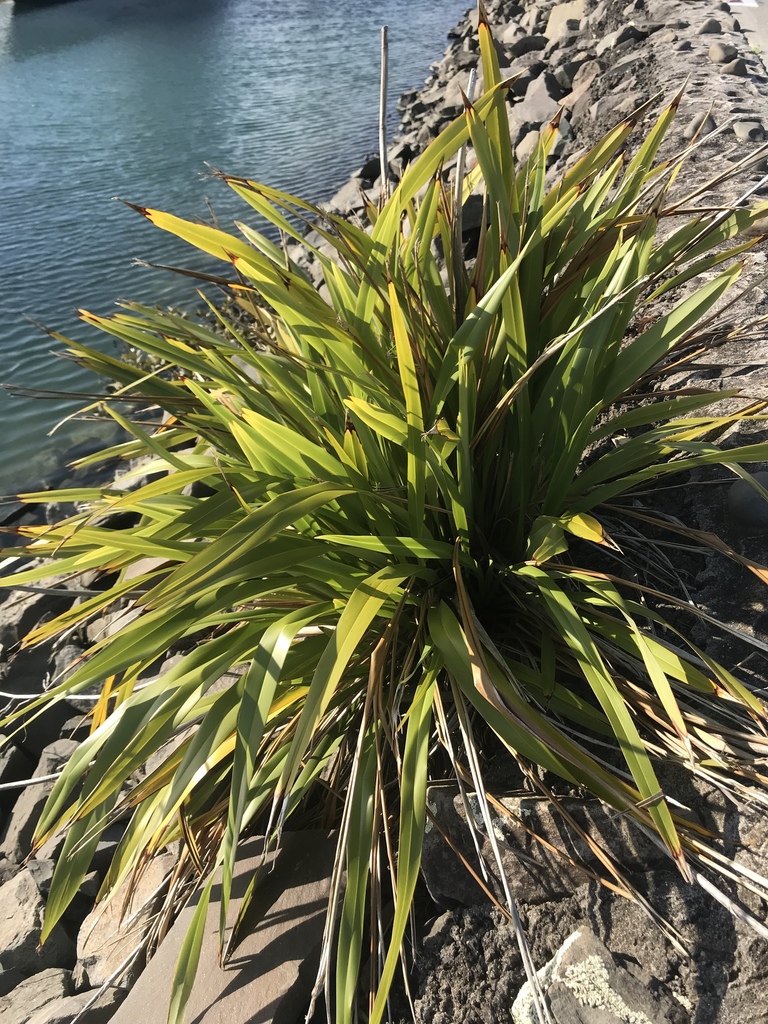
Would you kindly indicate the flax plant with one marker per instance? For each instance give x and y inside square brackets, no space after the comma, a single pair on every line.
[389,511]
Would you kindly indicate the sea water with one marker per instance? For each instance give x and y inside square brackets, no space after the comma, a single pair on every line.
[138,99]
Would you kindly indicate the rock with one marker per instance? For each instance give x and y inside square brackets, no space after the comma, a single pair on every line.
[42,873]
[535,874]
[26,674]
[700,124]
[527,44]
[564,136]
[683,46]
[77,728]
[34,993]
[722,53]
[400,155]
[758,229]
[63,1011]
[530,62]
[533,19]
[471,968]
[273,968]
[525,147]
[711,26]
[596,16]
[587,73]
[749,131]
[21,918]
[111,931]
[21,611]
[577,101]
[17,836]
[370,170]
[540,104]
[14,766]
[67,660]
[748,510]
[583,985]
[349,198]
[567,71]
[625,34]
[736,67]
[565,42]
[110,623]
[628,104]
[523,80]
[508,33]
[561,14]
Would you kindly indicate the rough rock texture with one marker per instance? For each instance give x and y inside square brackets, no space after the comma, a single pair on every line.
[35,993]
[536,873]
[21,918]
[16,841]
[64,1011]
[469,962]
[271,973]
[584,985]
[469,969]
[14,766]
[110,933]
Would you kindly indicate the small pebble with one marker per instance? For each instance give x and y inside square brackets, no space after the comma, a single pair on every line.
[736,67]
[758,229]
[747,508]
[749,131]
[722,53]
[710,27]
[702,124]
[723,6]
[683,46]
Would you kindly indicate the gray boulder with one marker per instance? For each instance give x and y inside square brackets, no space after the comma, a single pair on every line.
[711,26]
[721,53]
[16,841]
[20,611]
[583,985]
[112,931]
[35,993]
[64,1011]
[625,34]
[272,971]
[747,508]
[21,918]
[536,874]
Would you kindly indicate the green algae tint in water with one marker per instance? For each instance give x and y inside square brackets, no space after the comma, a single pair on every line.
[133,98]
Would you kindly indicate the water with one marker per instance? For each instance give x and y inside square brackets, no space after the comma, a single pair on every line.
[133,98]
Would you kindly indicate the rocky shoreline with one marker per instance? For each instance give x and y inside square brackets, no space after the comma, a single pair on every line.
[592,63]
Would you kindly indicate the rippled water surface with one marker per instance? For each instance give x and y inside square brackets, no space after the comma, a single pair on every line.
[132,98]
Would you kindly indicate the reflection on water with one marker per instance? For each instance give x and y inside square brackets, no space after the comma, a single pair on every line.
[74,22]
[134,98]
[22,6]
[6,23]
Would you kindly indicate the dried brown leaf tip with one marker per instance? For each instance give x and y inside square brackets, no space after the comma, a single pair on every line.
[143,210]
